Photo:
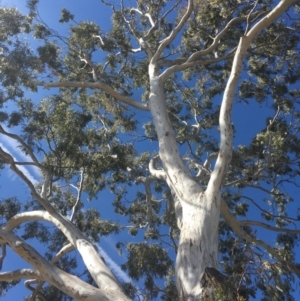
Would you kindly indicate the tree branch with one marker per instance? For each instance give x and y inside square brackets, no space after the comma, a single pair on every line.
[97,85]
[79,191]
[236,227]
[225,152]
[266,226]
[97,268]
[188,64]
[20,274]
[154,171]
[69,284]
[196,56]
[64,250]
[26,147]
[168,40]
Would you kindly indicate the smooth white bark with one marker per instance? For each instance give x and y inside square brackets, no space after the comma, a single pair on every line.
[69,284]
[198,246]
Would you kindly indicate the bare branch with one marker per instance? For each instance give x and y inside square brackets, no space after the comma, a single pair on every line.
[25,146]
[249,15]
[69,284]
[154,171]
[154,25]
[236,227]
[20,274]
[225,152]
[167,41]
[196,56]
[204,168]
[3,254]
[96,85]
[98,269]
[266,226]
[63,251]
[79,191]
[189,64]
[147,182]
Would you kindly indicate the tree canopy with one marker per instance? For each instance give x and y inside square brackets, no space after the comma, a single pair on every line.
[183,118]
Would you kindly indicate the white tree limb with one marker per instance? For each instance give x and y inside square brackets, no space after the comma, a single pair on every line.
[168,40]
[102,275]
[97,85]
[69,284]
[225,152]
[20,274]
[266,226]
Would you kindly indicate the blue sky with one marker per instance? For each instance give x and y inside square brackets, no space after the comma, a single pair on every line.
[11,185]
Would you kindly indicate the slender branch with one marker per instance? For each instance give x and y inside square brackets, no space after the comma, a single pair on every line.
[20,274]
[266,226]
[147,182]
[154,25]
[195,56]
[79,191]
[26,146]
[63,251]
[249,15]
[236,227]
[3,254]
[225,152]
[96,85]
[168,40]
[189,64]
[204,168]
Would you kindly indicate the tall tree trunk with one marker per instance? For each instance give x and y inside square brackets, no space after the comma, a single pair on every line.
[198,246]
[199,217]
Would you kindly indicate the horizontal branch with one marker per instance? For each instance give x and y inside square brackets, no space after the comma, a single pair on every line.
[20,274]
[266,226]
[97,85]
[187,64]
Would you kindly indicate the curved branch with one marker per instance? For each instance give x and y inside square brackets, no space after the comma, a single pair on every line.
[95,265]
[97,85]
[187,64]
[154,171]
[20,274]
[153,25]
[266,226]
[225,152]
[236,227]
[69,284]
[168,40]
[26,147]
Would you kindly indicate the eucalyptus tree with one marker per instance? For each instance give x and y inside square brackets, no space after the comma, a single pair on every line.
[182,66]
